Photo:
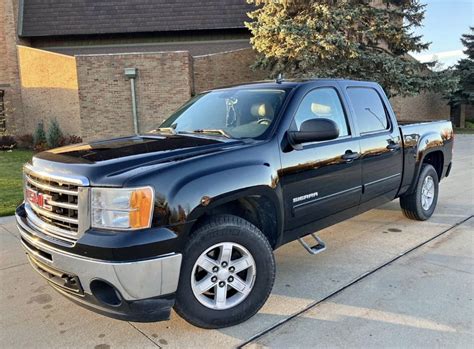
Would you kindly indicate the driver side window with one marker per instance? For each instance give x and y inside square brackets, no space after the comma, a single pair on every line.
[322,103]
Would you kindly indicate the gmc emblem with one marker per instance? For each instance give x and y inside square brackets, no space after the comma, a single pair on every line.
[38,199]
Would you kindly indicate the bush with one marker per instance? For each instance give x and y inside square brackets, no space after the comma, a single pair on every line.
[25,141]
[73,139]
[39,138]
[54,137]
[7,142]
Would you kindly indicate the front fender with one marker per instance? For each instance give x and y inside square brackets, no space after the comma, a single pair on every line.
[193,196]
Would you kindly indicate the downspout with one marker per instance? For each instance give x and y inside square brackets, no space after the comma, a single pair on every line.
[134,105]
[131,73]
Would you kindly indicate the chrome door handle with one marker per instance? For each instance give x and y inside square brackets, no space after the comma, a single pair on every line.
[350,156]
[392,146]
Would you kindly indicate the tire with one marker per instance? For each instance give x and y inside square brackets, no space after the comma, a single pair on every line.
[202,309]
[413,205]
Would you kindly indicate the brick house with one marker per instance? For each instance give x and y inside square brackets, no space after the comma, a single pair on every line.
[65,59]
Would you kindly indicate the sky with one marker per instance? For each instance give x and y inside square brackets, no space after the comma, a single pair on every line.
[445,22]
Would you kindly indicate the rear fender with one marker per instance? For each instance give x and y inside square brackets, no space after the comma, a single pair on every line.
[427,144]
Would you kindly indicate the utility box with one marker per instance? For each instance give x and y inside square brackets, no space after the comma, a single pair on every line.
[130,73]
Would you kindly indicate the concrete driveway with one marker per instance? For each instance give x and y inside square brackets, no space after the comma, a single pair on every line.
[363,291]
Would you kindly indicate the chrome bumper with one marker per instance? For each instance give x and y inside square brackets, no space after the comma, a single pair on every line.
[135,280]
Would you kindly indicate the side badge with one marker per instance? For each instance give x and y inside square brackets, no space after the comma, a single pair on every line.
[305,197]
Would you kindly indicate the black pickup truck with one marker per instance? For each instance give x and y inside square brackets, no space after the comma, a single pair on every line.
[188,215]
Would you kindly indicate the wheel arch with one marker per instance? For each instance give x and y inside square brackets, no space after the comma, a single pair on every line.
[436,159]
[429,151]
[259,209]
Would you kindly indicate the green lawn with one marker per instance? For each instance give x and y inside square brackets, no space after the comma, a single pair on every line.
[11,181]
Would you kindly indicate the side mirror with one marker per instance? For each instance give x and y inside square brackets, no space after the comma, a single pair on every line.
[314,130]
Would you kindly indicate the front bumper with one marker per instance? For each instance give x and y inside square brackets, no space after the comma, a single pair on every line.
[140,290]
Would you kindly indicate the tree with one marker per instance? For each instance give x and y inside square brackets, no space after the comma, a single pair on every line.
[465,71]
[345,39]
[39,138]
[54,137]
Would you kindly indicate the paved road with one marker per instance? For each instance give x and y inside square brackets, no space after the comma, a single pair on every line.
[424,298]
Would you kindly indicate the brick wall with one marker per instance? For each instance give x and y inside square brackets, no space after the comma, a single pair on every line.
[425,106]
[99,104]
[49,89]
[165,81]
[4,71]
[162,85]
[461,113]
[9,75]
[232,67]
[227,68]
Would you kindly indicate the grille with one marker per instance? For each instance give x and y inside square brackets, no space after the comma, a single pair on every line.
[53,205]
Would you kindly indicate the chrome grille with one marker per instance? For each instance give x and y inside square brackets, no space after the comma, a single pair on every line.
[52,203]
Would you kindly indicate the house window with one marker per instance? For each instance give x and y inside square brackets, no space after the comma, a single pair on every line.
[3,124]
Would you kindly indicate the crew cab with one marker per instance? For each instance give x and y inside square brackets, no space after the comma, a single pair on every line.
[188,215]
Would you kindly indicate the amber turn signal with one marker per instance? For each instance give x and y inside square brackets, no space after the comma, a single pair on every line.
[141,204]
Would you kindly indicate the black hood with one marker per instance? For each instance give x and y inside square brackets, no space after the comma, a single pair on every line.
[109,158]
[91,153]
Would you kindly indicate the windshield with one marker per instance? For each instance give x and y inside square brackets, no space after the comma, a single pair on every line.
[233,113]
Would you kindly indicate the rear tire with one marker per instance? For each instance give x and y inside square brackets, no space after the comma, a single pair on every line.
[204,260]
[421,204]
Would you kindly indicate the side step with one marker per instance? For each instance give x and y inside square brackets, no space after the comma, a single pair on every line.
[318,248]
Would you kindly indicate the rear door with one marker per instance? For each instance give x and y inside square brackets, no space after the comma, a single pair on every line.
[380,143]
[321,178]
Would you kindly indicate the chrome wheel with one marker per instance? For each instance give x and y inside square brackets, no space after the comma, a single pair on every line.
[223,276]
[427,193]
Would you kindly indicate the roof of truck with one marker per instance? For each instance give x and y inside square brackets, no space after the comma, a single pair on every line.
[290,83]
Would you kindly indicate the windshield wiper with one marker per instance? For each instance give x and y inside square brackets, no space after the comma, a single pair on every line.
[213,131]
[170,130]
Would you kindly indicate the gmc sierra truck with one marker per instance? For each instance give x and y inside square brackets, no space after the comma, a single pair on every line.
[188,214]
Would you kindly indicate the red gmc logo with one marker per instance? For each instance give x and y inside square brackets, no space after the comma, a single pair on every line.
[38,199]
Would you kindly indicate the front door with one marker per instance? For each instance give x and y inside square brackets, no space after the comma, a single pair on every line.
[321,178]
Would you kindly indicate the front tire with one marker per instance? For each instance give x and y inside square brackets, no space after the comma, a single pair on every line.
[421,204]
[227,273]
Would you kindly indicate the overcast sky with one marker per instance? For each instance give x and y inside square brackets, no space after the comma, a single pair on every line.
[445,22]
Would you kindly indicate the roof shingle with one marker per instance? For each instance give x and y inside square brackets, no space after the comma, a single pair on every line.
[82,17]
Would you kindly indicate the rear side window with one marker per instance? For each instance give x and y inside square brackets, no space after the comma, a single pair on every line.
[369,109]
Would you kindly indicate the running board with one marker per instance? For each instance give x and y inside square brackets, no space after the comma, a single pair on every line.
[318,248]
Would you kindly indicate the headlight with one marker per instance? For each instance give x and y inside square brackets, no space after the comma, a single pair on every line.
[122,208]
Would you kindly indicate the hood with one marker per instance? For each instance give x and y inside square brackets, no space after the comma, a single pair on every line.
[101,161]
